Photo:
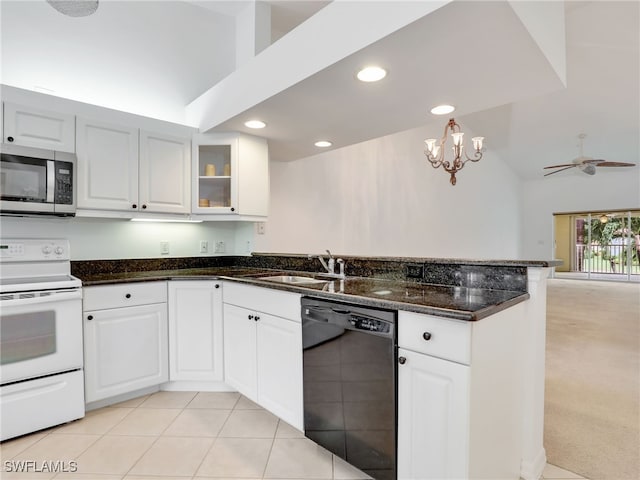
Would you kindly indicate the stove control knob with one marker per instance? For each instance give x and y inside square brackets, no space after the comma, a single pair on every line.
[46,249]
[59,250]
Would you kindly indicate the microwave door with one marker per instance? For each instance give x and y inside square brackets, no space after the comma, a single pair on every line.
[27,187]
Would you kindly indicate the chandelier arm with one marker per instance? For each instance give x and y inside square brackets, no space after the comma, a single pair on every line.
[475,158]
[435,161]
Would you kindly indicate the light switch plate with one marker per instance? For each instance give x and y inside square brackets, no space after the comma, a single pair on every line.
[204,246]
[220,246]
[164,248]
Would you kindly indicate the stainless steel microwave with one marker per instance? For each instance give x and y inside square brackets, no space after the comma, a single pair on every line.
[34,181]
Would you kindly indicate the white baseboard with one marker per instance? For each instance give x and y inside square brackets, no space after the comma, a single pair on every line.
[120,398]
[190,386]
[532,469]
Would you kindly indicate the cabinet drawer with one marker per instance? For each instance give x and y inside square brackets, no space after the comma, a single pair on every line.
[447,339]
[266,300]
[124,295]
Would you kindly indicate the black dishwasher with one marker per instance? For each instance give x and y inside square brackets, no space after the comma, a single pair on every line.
[349,374]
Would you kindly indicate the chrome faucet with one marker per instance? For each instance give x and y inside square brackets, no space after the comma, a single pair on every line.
[330,265]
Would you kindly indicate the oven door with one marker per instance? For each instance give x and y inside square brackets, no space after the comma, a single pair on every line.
[40,334]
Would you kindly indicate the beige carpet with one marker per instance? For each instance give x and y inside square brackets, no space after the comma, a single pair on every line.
[592,400]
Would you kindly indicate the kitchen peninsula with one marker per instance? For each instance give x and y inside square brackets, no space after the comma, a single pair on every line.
[486,321]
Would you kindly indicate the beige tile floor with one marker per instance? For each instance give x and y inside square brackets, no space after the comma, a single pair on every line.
[179,436]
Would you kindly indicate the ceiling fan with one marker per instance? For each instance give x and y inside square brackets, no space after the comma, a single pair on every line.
[586,164]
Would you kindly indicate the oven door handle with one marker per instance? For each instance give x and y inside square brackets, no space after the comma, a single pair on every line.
[59,296]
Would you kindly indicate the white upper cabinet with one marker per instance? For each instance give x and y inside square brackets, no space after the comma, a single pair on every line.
[126,170]
[165,167]
[230,175]
[107,166]
[33,127]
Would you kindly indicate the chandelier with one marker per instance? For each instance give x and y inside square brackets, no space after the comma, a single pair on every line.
[435,153]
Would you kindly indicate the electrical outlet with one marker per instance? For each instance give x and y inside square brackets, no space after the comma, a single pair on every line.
[220,246]
[248,247]
[204,246]
[415,271]
[260,228]
[164,248]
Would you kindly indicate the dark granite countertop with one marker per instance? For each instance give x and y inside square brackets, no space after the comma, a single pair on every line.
[450,301]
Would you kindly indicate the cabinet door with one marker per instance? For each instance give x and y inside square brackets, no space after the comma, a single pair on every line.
[215,158]
[280,368]
[195,331]
[240,350]
[165,166]
[107,166]
[231,174]
[433,418]
[125,350]
[253,176]
[32,127]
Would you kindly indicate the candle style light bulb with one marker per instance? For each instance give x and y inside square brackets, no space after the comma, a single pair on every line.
[477,143]
[457,138]
[430,142]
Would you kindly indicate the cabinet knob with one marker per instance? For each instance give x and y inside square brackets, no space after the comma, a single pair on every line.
[426,336]
[402,360]
[9,139]
[233,209]
[89,317]
[250,317]
[144,206]
[217,285]
[128,295]
[134,206]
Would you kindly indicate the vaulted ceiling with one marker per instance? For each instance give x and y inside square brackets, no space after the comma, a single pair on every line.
[156,57]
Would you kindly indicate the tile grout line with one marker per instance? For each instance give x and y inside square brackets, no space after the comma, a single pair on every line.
[273,441]
[215,439]
[157,436]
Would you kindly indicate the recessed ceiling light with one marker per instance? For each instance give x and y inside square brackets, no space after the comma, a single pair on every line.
[74,8]
[323,144]
[442,109]
[255,124]
[371,74]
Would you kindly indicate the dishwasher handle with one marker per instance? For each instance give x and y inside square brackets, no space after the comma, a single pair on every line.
[341,316]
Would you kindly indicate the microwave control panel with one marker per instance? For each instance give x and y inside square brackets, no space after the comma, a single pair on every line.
[64,183]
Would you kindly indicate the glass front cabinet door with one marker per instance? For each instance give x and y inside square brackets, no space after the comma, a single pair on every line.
[230,175]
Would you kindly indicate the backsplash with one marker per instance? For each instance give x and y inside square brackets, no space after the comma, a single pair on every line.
[493,274]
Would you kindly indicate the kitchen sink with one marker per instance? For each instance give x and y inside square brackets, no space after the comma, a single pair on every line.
[293,279]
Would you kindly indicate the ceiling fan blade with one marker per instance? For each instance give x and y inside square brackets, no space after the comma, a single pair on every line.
[565,168]
[592,161]
[563,165]
[615,164]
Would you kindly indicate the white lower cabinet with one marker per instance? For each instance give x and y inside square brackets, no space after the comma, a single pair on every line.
[433,397]
[460,397]
[263,351]
[195,331]
[125,338]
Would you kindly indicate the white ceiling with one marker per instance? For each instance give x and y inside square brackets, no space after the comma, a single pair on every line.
[154,57]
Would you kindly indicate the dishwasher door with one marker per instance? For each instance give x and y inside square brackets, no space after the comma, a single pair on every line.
[349,377]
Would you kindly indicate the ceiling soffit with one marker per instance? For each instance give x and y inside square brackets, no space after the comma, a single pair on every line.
[476,55]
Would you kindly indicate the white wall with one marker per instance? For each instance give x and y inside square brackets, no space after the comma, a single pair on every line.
[382,197]
[93,239]
[572,192]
